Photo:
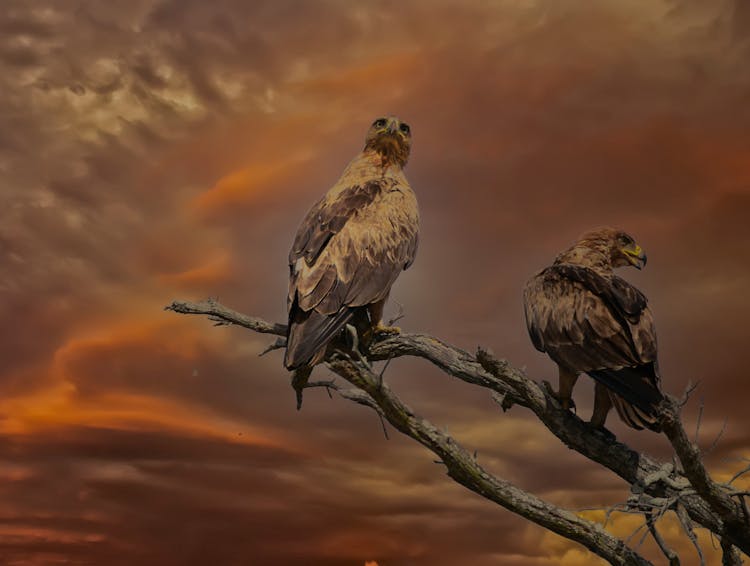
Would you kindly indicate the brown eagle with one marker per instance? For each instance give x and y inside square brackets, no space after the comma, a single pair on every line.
[589,320]
[351,247]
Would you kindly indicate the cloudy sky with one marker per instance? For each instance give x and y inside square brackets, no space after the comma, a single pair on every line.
[152,150]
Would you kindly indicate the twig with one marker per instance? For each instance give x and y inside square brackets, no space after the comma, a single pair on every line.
[691,387]
[399,315]
[382,371]
[739,474]
[687,527]
[718,437]
[382,423]
[356,395]
[698,421]
[670,554]
[277,345]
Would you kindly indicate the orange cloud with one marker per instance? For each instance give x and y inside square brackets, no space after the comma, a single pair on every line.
[247,185]
[215,270]
[60,403]
[362,76]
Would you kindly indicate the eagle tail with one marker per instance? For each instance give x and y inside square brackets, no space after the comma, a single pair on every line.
[635,394]
[299,381]
[309,334]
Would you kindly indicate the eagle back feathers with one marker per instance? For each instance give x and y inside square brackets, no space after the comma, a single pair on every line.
[587,321]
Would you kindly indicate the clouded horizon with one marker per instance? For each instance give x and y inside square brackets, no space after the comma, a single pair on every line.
[153,150]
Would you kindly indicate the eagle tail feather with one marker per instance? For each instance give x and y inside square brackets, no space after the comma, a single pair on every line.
[310,332]
[299,381]
[635,394]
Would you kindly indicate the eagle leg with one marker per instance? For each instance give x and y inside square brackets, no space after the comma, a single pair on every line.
[564,396]
[376,318]
[602,406]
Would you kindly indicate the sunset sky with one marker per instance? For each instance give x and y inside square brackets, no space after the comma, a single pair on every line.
[160,149]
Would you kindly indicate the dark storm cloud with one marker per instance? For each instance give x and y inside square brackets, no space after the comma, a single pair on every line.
[190,503]
[156,149]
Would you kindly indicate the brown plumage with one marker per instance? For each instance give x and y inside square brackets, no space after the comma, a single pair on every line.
[589,320]
[351,247]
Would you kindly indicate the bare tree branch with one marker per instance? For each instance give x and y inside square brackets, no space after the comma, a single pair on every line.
[735,522]
[464,469]
[707,504]
[217,312]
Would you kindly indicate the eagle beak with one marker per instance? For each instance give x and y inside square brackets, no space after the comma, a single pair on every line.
[636,256]
[392,127]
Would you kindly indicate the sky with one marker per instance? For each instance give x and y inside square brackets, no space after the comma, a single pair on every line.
[157,150]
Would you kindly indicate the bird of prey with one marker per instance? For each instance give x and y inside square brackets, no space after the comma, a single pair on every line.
[350,248]
[589,320]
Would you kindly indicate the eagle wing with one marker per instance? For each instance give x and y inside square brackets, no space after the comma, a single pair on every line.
[601,326]
[348,252]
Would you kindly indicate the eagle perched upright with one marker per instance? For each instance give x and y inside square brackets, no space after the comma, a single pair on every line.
[589,320]
[351,247]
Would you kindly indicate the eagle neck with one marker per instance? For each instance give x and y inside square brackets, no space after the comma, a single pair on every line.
[588,256]
[370,165]
[388,153]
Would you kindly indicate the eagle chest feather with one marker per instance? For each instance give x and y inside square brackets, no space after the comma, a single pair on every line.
[353,244]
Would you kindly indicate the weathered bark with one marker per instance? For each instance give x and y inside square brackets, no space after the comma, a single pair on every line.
[705,503]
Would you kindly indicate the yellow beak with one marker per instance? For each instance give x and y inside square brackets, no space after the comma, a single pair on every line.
[636,256]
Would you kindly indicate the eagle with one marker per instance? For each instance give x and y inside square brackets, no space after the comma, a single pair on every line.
[587,319]
[350,248]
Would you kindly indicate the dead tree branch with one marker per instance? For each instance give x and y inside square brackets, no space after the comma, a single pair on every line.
[464,469]
[735,521]
[708,504]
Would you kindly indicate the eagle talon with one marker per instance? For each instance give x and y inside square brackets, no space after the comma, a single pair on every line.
[389,330]
[566,404]
[570,405]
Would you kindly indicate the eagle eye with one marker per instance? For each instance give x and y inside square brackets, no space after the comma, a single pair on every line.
[404,128]
[626,240]
[379,123]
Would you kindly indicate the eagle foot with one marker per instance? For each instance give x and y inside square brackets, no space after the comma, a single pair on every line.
[387,330]
[567,404]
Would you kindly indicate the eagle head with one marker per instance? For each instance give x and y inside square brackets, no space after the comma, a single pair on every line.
[619,247]
[391,138]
